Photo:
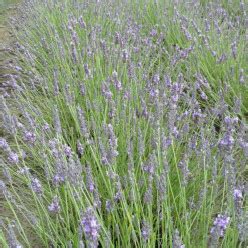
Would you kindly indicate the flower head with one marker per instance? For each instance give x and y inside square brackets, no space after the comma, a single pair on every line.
[220,225]
[90,226]
[54,207]
[13,158]
[145,231]
[36,186]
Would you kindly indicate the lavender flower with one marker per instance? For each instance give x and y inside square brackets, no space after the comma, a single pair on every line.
[82,89]
[242,226]
[227,142]
[106,92]
[7,175]
[3,188]
[150,166]
[217,27]
[241,76]
[4,145]
[11,237]
[89,180]
[117,83]
[222,58]
[161,182]
[58,179]
[57,123]
[74,37]
[177,242]
[186,33]
[13,158]
[87,71]
[113,144]
[67,150]
[82,22]
[30,137]
[234,49]
[91,227]
[237,194]
[46,127]
[119,192]
[145,230]
[237,105]
[156,79]
[69,95]
[244,146]
[207,25]
[82,123]
[238,198]
[185,171]
[109,206]
[36,186]
[217,231]
[148,196]
[125,56]
[80,148]
[204,96]
[73,171]
[141,143]
[153,32]
[24,170]
[54,207]
[74,53]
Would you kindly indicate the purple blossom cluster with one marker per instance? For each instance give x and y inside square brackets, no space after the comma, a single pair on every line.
[220,224]
[91,227]
[54,207]
[12,157]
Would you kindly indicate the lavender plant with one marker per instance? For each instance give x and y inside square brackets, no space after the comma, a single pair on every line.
[128,125]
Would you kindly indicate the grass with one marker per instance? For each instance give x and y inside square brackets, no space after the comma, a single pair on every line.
[127,126]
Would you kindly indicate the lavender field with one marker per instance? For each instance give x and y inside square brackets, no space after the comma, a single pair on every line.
[125,124]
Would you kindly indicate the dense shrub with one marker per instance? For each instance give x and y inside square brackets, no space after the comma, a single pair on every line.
[127,125]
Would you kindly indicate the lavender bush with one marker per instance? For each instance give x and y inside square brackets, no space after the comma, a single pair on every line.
[127,125]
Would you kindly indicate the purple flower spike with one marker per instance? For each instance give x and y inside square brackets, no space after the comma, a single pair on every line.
[145,231]
[89,180]
[227,142]
[4,144]
[54,207]
[220,225]
[67,150]
[36,186]
[13,158]
[87,70]
[91,227]
[234,49]
[125,56]
[241,76]
[46,127]
[156,79]
[237,193]
[217,231]
[29,137]
[177,241]
[80,148]
[153,32]
[82,22]
[11,237]
[58,179]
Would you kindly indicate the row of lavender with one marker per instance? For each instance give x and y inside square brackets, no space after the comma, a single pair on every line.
[127,125]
